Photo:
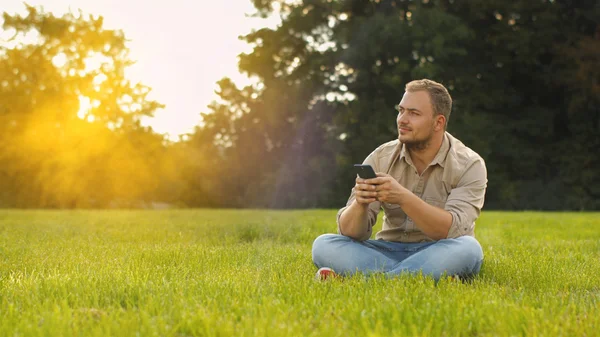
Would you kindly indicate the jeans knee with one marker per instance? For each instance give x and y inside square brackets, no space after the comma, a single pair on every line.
[323,248]
[470,247]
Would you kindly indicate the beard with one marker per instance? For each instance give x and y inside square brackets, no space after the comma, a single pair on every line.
[419,144]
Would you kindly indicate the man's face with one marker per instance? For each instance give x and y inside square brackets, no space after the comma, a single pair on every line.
[415,119]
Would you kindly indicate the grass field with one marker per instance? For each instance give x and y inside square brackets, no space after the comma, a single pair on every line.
[249,273]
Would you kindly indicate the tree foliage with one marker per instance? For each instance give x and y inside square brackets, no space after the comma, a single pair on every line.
[523,75]
[54,151]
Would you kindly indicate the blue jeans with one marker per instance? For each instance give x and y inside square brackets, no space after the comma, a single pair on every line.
[461,256]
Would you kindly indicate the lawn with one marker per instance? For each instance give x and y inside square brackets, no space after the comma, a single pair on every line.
[249,273]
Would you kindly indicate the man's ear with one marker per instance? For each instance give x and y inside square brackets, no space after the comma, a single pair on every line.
[440,122]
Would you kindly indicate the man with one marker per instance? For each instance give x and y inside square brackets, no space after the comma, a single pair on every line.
[431,187]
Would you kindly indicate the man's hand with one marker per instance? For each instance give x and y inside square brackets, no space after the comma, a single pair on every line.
[387,188]
[364,193]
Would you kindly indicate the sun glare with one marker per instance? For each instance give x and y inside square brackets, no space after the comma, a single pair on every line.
[181,59]
[60,60]
[84,107]
[95,60]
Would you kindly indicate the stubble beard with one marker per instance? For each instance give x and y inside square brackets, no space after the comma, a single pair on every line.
[419,144]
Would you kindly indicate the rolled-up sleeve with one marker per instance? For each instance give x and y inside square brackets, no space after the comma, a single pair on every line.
[374,207]
[466,200]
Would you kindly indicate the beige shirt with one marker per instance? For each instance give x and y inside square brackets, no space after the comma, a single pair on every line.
[455,181]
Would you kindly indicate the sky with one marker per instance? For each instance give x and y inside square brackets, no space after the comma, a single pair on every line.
[182,48]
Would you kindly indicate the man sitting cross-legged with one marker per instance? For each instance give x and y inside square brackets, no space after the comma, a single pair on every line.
[431,188]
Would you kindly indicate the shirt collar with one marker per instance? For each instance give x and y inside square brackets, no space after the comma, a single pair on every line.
[404,154]
[440,157]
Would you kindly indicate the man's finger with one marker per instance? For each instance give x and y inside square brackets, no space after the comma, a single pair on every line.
[380,187]
[376,181]
[361,198]
[365,187]
[366,194]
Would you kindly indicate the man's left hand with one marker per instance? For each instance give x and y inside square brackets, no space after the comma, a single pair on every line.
[388,189]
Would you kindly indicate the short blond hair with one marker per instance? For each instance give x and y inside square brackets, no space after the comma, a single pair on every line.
[438,94]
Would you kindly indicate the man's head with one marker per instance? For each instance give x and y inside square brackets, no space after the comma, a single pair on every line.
[423,113]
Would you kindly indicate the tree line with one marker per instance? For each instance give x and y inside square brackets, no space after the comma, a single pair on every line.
[524,77]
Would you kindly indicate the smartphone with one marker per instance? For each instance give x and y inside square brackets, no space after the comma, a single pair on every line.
[365,171]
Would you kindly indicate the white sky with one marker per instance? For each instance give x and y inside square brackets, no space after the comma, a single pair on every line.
[182,47]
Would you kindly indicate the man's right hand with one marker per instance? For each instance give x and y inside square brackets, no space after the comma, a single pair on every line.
[354,220]
[364,193]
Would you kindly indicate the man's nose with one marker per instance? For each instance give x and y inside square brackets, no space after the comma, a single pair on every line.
[401,119]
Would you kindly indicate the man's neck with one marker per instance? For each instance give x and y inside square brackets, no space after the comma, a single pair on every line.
[421,158]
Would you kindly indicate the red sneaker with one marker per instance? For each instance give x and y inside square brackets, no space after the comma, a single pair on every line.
[325,273]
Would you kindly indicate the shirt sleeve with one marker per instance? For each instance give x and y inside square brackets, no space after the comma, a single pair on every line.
[466,200]
[373,209]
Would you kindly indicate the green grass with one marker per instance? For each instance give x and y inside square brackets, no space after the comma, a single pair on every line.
[249,273]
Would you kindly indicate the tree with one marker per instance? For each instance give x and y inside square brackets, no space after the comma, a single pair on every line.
[522,74]
[70,132]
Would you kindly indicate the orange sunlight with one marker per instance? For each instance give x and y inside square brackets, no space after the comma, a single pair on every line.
[181,49]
